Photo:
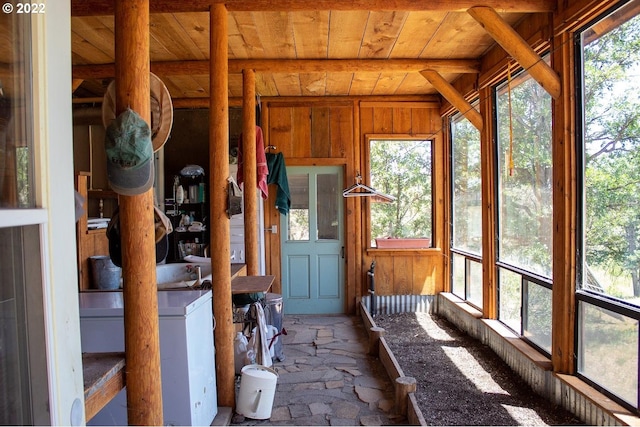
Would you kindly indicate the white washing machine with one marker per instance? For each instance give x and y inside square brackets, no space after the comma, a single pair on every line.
[187,353]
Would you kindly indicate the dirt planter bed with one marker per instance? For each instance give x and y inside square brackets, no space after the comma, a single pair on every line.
[471,385]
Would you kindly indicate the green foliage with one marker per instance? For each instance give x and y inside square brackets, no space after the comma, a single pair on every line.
[401,168]
[612,154]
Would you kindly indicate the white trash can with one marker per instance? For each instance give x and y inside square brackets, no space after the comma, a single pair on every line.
[257,392]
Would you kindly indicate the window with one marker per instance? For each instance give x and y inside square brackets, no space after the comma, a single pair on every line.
[466,210]
[401,168]
[23,374]
[524,207]
[609,268]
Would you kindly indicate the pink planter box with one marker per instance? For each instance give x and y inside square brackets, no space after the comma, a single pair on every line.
[403,243]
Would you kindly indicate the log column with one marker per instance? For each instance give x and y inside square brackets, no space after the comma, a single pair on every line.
[220,231]
[249,170]
[142,342]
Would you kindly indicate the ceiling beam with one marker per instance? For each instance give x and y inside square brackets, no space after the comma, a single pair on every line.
[454,97]
[105,7]
[169,68]
[518,48]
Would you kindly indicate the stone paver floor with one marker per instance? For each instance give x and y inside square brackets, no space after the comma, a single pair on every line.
[327,377]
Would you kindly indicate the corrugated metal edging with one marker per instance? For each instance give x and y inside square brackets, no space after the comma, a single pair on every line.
[392,304]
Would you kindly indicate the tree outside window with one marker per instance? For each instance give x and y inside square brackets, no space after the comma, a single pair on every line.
[401,168]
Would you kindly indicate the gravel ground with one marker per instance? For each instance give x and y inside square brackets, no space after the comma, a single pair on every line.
[460,380]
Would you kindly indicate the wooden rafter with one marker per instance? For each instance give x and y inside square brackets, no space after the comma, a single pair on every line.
[167,68]
[454,97]
[518,48]
[105,7]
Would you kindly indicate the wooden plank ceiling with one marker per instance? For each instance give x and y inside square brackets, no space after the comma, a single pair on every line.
[298,48]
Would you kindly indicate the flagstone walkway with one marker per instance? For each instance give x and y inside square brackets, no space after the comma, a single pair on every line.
[327,376]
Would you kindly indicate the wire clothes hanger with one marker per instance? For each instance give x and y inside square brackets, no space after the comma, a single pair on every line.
[361,190]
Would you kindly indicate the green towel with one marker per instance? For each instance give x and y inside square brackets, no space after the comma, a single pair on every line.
[278,175]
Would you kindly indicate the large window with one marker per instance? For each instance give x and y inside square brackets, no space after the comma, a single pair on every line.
[401,168]
[466,190]
[524,207]
[609,273]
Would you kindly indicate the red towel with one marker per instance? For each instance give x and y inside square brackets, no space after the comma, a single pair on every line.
[261,164]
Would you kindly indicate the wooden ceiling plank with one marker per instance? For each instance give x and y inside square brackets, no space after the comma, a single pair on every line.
[311,22]
[456,30]
[165,30]
[338,86]
[288,83]
[105,7]
[346,29]
[454,97]
[414,36]
[363,83]
[196,26]
[277,28]
[381,33]
[95,33]
[313,84]
[518,48]
[244,37]
[413,84]
[388,83]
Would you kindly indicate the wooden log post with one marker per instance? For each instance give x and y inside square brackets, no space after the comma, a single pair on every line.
[142,341]
[249,170]
[218,191]
[403,386]
[374,340]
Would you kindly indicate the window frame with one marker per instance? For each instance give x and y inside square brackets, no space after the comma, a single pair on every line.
[525,275]
[367,163]
[584,295]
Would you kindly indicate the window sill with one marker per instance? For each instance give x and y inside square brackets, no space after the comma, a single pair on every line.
[398,251]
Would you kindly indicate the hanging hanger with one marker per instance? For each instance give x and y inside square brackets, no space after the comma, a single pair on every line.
[361,190]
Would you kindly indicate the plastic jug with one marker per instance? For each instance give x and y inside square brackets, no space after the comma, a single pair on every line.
[240,352]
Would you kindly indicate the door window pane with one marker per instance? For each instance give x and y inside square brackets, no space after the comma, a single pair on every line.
[328,199]
[299,213]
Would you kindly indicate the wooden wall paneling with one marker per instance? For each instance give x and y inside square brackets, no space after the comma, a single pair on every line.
[341,128]
[279,126]
[424,275]
[421,121]
[366,120]
[401,120]
[384,275]
[320,132]
[301,132]
[402,274]
[383,120]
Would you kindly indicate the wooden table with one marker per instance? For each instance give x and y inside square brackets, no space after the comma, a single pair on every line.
[251,284]
[104,377]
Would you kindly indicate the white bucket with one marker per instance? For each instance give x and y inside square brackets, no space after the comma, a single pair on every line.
[257,391]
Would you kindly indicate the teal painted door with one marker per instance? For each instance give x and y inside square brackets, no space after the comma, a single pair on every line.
[312,242]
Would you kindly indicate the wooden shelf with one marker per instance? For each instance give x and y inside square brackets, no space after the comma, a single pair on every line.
[104,377]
